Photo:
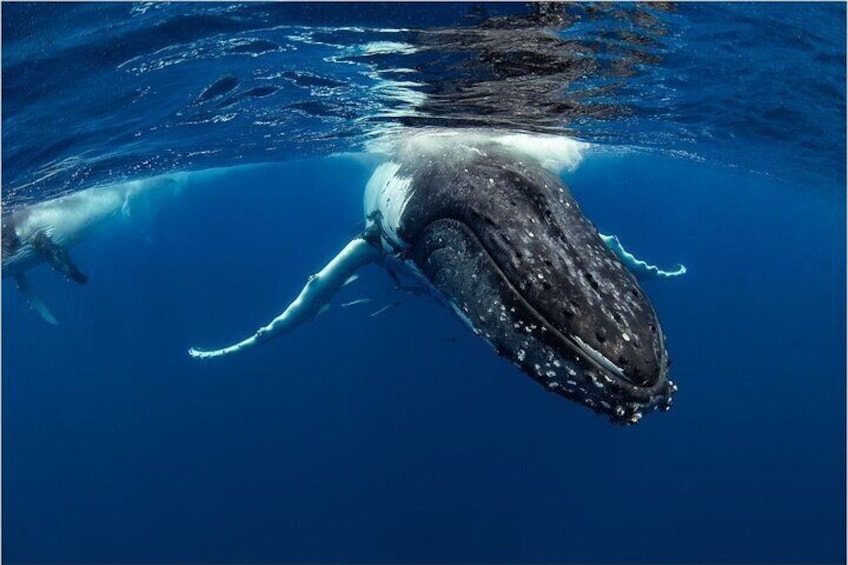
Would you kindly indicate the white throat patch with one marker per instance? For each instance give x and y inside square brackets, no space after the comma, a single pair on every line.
[388,193]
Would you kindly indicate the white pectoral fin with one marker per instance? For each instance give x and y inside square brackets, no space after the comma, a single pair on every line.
[315,296]
[638,267]
[34,300]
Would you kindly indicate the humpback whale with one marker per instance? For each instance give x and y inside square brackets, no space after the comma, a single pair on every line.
[43,232]
[500,240]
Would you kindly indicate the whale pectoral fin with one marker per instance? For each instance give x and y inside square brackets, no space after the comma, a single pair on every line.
[58,258]
[315,296]
[125,207]
[34,300]
[638,267]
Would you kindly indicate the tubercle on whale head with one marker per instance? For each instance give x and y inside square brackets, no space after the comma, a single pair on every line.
[507,245]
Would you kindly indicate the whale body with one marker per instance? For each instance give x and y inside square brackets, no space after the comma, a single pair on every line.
[501,241]
[43,232]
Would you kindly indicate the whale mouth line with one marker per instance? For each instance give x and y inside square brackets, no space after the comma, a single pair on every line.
[587,353]
[577,346]
[601,361]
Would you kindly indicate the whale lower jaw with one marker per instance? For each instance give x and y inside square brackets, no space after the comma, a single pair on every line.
[453,259]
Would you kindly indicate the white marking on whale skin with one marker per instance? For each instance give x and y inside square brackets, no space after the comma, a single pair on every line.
[69,218]
[388,193]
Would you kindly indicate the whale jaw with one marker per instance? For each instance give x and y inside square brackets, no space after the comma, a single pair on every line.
[453,259]
[506,244]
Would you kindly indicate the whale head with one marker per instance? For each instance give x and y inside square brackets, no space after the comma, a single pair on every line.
[507,246]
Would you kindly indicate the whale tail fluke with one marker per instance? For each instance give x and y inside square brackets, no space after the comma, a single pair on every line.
[312,300]
[34,300]
[642,269]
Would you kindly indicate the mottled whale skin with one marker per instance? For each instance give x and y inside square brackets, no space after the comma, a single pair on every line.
[504,243]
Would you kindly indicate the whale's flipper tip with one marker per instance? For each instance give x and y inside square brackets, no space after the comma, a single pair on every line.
[209,354]
[35,301]
[656,272]
[679,271]
[312,301]
[642,269]
[197,353]
[47,315]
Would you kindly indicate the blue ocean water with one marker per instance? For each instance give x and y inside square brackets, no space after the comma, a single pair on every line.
[719,142]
